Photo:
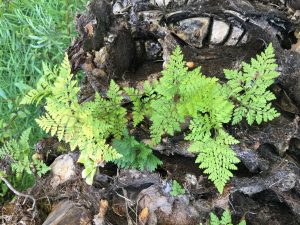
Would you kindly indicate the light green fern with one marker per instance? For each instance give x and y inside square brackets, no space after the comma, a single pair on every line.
[43,86]
[86,126]
[178,96]
[216,157]
[249,88]
[141,106]
[181,94]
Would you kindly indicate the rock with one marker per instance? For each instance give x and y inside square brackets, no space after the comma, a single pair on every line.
[168,44]
[136,178]
[63,169]
[294,150]
[176,16]
[279,183]
[262,209]
[219,32]
[294,4]
[117,7]
[235,36]
[161,3]
[129,184]
[68,213]
[153,50]
[192,30]
[164,209]
[249,186]
[253,161]
[267,133]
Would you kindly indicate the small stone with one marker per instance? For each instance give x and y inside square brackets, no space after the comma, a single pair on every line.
[161,3]
[235,36]
[117,8]
[153,50]
[294,4]
[244,39]
[192,30]
[68,213]
[63,169]
[101,57]
[220,31]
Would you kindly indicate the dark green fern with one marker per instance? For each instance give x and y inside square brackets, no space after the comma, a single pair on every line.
[135,154]
[225,219]
[19,155]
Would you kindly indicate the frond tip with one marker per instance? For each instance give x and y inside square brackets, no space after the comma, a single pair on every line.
[250,88]
[217,159]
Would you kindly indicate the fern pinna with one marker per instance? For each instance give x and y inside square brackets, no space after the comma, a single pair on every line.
[181,94]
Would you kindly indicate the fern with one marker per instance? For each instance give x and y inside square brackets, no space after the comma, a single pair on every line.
[216,157]
[43,86]
[19,154]
[249,88]
[141,106]
[177,189]
[86,126]
[178,96]
[225,219]
[181,94]
[135,154]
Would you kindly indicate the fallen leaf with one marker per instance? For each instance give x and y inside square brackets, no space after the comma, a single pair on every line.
[89,29]
[144,214]
[190,65]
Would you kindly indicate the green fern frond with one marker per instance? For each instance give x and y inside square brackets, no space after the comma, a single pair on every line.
[43,87]
[214,220]
[165,119]
[141,102]
[13,149]
[135,154]
[177,189]
[225,219]
[178,96]
[20,153]
[249,88]
[85,126]
[216,158]
[93,153]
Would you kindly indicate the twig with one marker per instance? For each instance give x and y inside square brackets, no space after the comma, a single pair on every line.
[19,193]
[129,220]
[126,199]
